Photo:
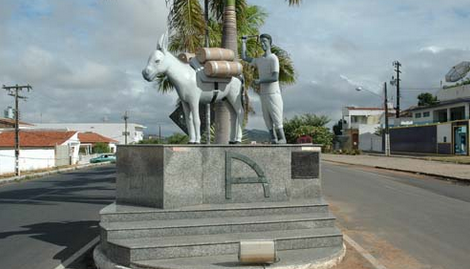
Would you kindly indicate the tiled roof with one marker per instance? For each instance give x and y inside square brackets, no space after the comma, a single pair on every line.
[364,108]
[90,137]
[32,138]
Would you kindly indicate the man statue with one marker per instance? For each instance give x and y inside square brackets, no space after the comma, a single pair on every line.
[270,93]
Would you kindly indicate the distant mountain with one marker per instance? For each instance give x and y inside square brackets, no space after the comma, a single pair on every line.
[259,136]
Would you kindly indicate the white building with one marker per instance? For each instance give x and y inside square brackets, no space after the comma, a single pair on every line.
[39,149]
[361,124]
[442,128]
[364,119]
[114,131]
[454,104]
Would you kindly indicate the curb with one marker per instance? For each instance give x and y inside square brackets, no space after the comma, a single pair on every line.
[442,177]
[41,174]
[423,158]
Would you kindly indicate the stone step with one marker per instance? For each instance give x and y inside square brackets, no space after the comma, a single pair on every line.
[124,251]
[299,258]
[120,213]
[154,228]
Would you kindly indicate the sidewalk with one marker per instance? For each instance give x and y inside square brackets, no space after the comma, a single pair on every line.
[413,165]
[50,172]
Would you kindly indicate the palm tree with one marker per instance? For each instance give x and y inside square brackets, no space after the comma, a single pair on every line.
[229,41]
[186,22]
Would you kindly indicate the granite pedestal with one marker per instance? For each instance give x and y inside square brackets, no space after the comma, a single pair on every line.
[179,204]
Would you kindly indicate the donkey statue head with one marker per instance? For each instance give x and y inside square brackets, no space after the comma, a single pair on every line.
[158,60]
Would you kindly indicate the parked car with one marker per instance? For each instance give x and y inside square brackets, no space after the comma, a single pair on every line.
[104,158]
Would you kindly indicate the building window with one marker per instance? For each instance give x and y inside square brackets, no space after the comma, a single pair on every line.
[418,115]
[359,119]
[426,114]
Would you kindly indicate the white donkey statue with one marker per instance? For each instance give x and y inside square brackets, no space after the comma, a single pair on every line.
[193,88]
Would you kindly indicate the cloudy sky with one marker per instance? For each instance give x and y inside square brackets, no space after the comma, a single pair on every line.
[84,57]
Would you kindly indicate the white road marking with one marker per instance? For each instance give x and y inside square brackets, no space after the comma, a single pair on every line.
[364,253]
[78,253]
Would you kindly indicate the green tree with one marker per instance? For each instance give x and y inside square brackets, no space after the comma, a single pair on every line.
[101,147]
[292,127]
[177,138]
[319,134]
[186,22]
[427,99]
[152,141]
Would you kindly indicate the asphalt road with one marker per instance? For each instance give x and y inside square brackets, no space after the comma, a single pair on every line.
[403,220]
[45,221]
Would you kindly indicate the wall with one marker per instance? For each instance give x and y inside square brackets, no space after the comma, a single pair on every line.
[30,159]
[444,138]
[62,156]
[419,139]
[111,130]
[453,93]
[370,142]
[444,133]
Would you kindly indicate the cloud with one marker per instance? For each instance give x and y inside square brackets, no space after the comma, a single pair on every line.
[84,58]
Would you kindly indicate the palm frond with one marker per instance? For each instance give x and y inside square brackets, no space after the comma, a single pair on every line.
[287,74]
[186,21]
[164,84]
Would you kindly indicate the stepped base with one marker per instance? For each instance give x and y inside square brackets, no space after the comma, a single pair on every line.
[317,258]
[190,207]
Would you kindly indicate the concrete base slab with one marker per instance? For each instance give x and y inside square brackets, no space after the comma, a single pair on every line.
[318,258]
[103,262]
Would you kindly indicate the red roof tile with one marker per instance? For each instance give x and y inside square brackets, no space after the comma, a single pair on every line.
[363,108]
[91,138]
[33,138]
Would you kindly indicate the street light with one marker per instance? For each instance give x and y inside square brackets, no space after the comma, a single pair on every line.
[387,130]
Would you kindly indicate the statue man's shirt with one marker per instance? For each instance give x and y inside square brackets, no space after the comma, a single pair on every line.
[270,93]
[266,66]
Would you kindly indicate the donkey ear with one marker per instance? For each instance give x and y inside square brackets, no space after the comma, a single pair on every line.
[160,43]
[165,40]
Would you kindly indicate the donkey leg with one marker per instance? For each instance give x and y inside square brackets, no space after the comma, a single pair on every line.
[235,101]
[189,122]
[194,106]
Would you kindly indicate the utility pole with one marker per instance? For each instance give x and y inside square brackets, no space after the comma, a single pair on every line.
[13,91]
[397,66]
[387,130]
[126,133]
[160,132]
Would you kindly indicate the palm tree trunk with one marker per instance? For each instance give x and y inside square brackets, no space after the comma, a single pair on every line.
[229,41]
